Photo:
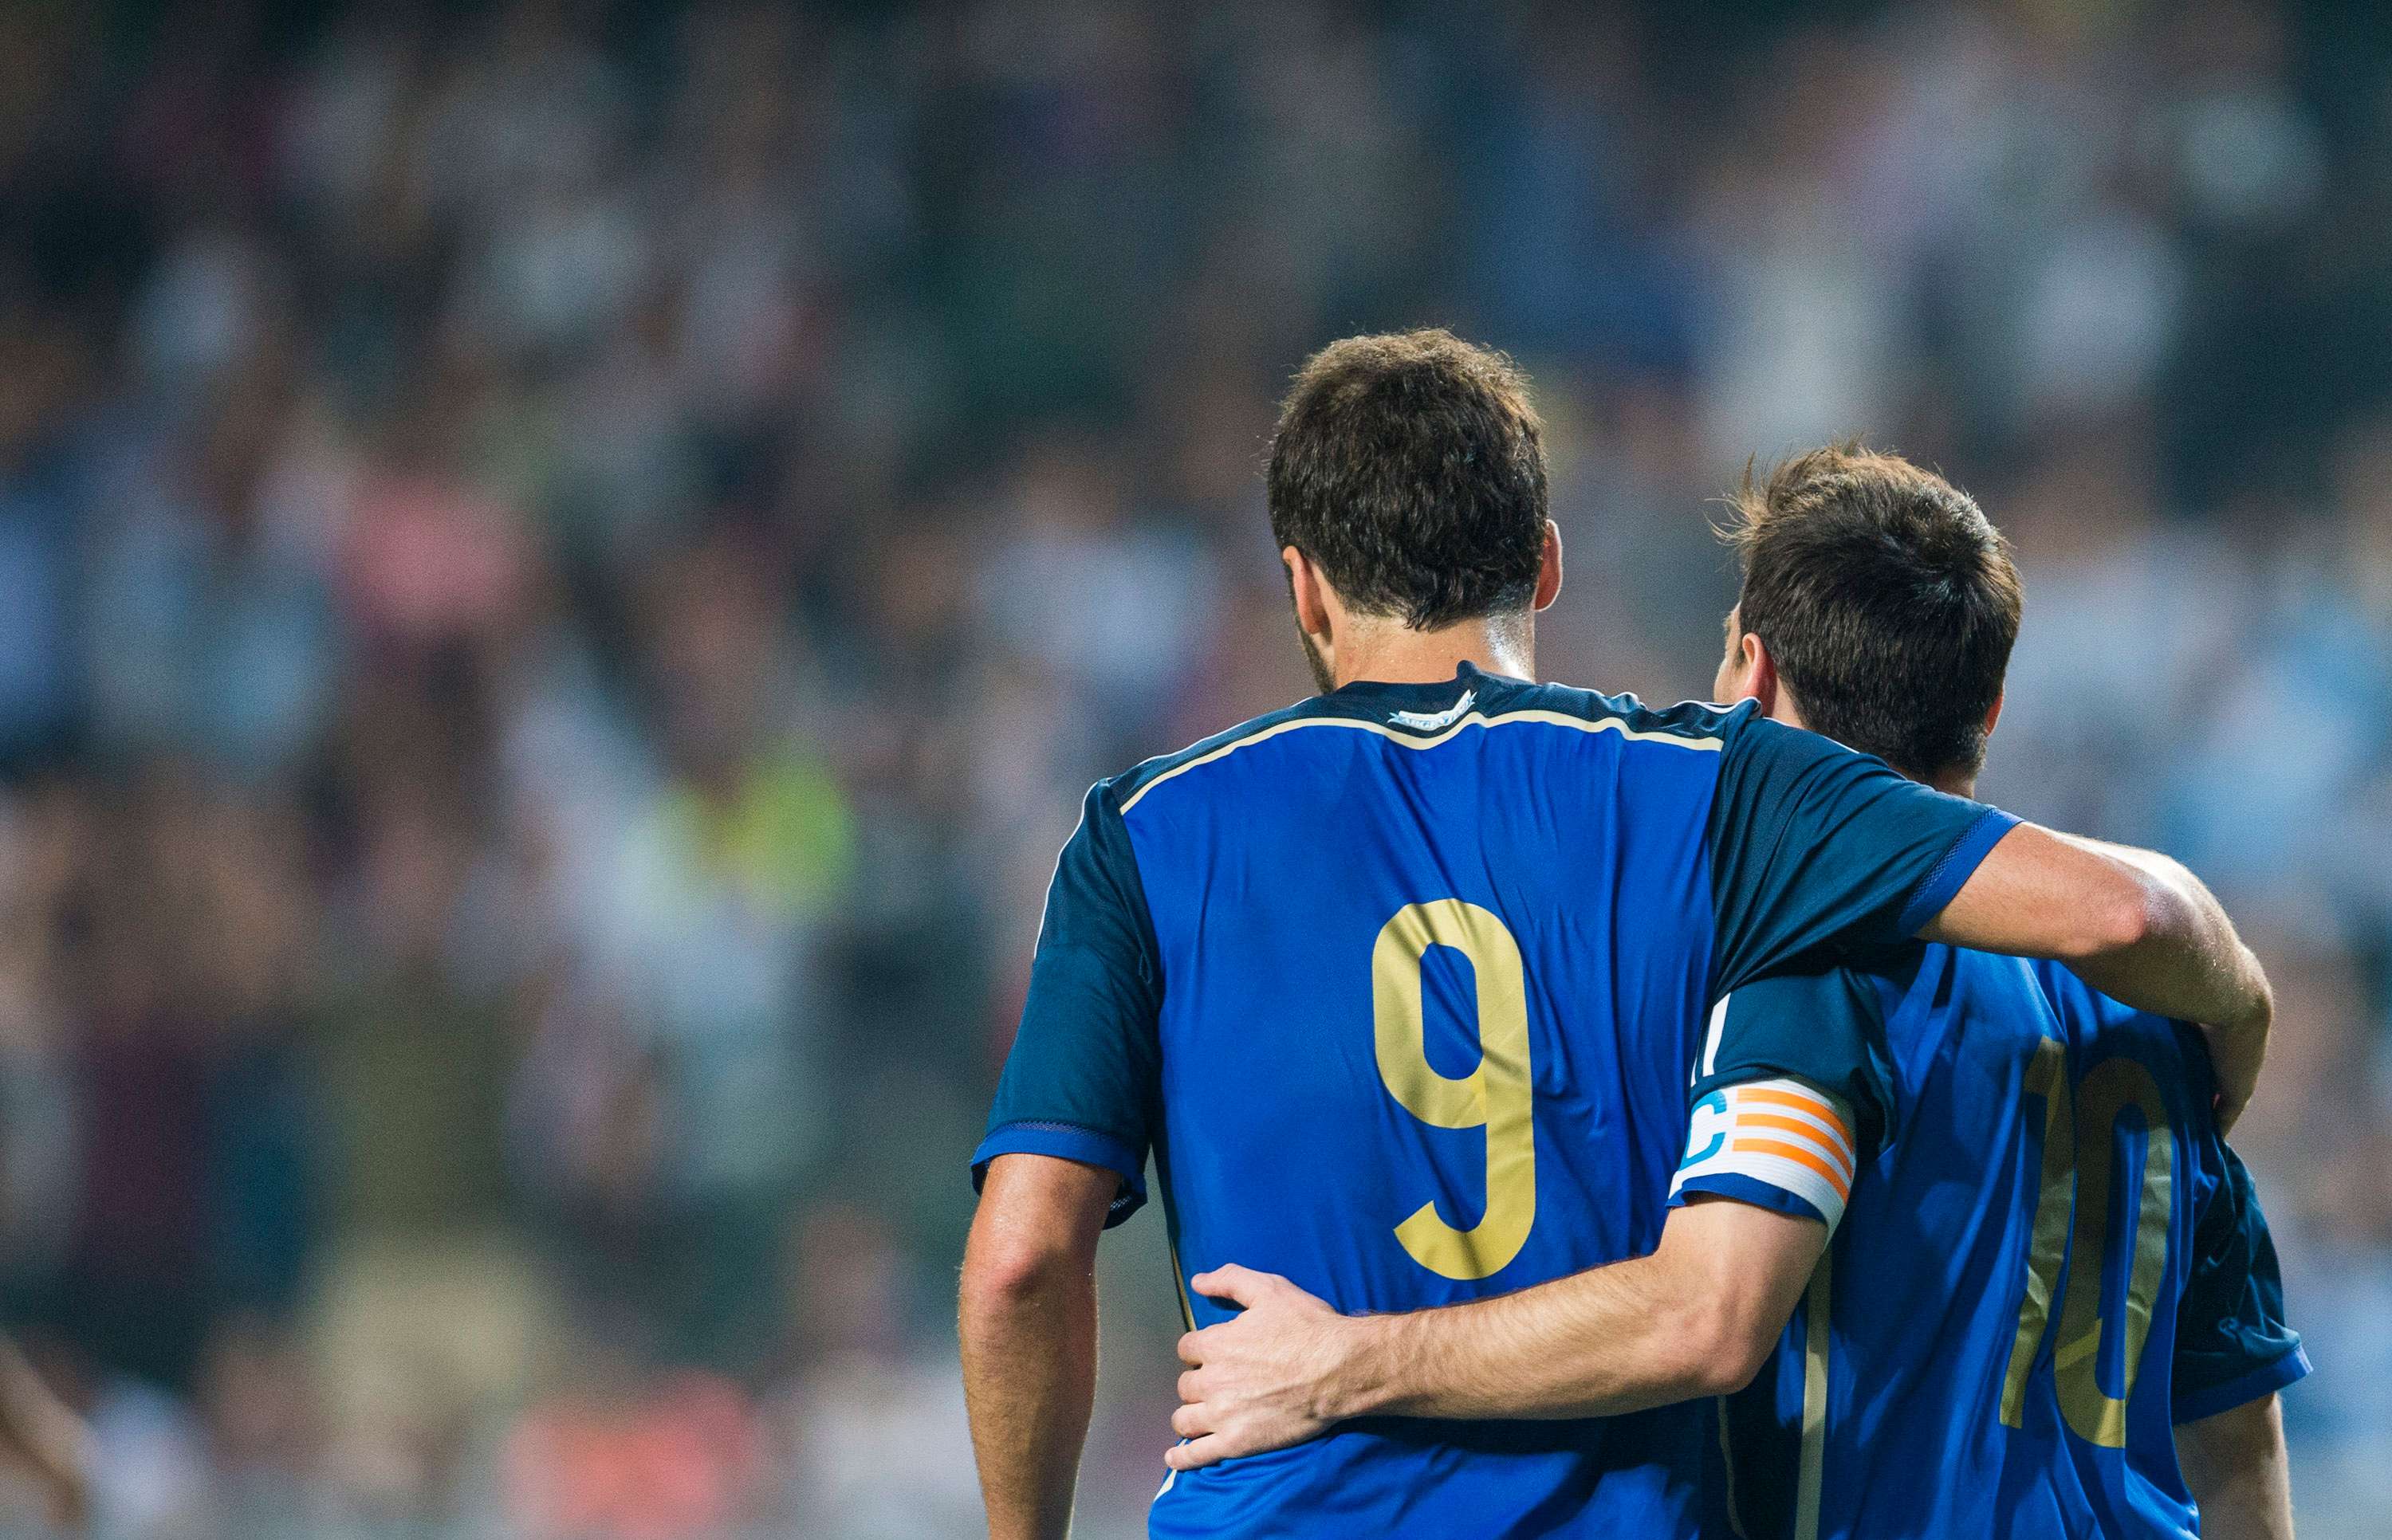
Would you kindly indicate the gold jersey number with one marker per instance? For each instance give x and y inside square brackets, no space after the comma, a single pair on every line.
[1497,1096]
[2073,1212]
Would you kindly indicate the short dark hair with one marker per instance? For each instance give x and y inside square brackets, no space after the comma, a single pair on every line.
[1410,469]
[1885,598]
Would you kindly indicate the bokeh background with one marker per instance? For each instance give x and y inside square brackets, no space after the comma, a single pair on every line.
[564,566]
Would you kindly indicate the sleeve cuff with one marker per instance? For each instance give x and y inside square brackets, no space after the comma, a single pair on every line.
[1945,880]
[1069,1141]
[2273,1375]
[1748,1189]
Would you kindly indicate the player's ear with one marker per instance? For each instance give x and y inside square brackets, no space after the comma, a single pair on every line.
[1759,672]
[1549,569]
[1994,714]
[1305,586]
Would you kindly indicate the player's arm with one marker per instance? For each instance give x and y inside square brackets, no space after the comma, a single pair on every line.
[1696,1317]
[2236,1468]
[1065,1156]
[2234,1351]
[1028,1327]
[1813,843]
[2133,923]
[1772,1147]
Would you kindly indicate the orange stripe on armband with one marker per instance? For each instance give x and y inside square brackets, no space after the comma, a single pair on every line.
[1797,1154]
[1818,1107]
[1795,1125]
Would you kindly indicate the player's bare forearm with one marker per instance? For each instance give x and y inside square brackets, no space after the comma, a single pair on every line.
[1027,1322]
[1696,1317]
[2236,1467]
[1602,1343]
[2133,923]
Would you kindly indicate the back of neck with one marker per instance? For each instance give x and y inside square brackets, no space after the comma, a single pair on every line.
[1390,653]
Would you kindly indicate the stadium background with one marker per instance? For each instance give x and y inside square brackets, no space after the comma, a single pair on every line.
[562,568]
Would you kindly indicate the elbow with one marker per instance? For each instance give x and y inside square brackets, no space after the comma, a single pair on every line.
[1033,1239]
[1004,1276]
[1734,1364]
[2132,909]
[1725,1347]
[1002,1279]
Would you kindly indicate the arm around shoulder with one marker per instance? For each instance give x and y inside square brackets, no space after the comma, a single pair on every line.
[2133,923]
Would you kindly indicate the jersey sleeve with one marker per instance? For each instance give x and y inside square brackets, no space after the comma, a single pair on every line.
[2232,1345]
[1789,1094]
[1812,843]
[1083,1080]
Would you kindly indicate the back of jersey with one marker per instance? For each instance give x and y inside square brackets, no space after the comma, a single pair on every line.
[1400,988]
[1430,993]
[1989,1346]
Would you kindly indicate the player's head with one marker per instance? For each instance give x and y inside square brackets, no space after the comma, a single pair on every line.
[1406,488]
[1879,608]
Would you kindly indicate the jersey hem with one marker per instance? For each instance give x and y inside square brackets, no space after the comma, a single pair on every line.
[1088,1146]
[2268,1379]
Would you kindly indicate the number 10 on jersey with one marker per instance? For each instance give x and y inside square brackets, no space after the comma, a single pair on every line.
[2072,1219]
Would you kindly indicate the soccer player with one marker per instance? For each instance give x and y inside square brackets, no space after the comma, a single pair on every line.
[1400,985]
[2047,1258]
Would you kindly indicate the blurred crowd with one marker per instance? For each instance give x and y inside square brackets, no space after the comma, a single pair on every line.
[563,566]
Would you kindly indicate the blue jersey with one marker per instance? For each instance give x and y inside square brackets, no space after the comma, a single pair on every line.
[2048,1256]
[1400,987]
